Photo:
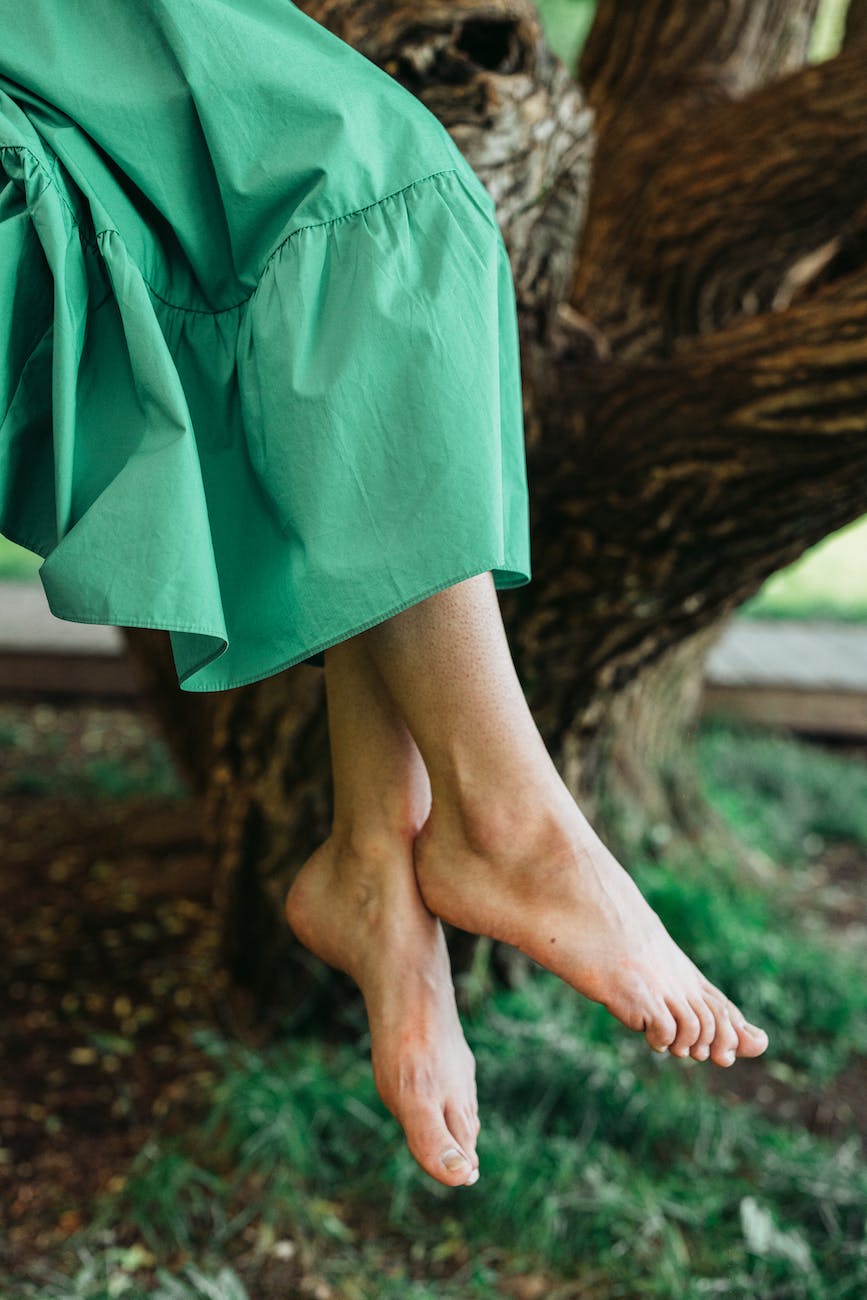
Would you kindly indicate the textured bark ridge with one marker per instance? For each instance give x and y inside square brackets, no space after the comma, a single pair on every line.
[686,218]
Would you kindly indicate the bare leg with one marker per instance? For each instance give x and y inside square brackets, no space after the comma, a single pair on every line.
[506,852]
[356,904]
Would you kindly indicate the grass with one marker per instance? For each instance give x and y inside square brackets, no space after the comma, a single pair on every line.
[599,1161]
[784,795]
[828,581]
[606,1171]
[52,751]
[110,1273]
[16,564]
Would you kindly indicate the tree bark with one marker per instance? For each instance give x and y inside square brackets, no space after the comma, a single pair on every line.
[684,239]
[687,236]
[856,21]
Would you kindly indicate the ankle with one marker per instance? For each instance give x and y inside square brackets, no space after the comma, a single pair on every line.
[501,826]
[369,848]
[378,827]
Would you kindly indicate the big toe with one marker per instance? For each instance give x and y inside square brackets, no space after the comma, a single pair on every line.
[746,1039]
[752,1040]
[437,1149]
[463,1121]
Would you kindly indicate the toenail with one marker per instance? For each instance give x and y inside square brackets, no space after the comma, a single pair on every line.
[453,1159]
[729,1056]
[661,1050]
[473,1178]
[702,1053]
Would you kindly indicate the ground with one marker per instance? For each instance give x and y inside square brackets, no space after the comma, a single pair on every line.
[116,1018]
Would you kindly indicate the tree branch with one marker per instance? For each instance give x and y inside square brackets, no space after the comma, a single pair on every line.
[664,493]
[750,207]
[662,55]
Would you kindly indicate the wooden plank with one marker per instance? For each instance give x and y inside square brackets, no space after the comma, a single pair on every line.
[41,655]
[34,675]
[815,654]
[27,624]
[817,712]
[809,677]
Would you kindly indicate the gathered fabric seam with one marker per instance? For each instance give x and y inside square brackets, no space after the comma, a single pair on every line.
[23,148]
[313,225]
[219,311]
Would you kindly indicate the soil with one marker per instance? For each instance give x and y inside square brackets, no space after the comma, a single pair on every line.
[109,965]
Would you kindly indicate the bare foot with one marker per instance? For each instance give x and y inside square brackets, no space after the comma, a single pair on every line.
[362,913]
[543,881]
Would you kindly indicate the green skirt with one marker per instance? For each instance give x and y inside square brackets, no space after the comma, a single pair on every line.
[260,369]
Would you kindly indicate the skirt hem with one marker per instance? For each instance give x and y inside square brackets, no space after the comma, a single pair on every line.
[504,578]
[512,578]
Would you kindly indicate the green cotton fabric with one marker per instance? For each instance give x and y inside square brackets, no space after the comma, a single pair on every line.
[260,375]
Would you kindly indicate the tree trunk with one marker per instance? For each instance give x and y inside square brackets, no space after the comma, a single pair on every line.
[688,236]
[856,20]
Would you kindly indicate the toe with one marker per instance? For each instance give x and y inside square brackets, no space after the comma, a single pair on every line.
[700,1049]
[688,1027]
[737,1034]
[434,1146]
[661,1030]
[752,1041]
[724,1048]
[464,1123]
